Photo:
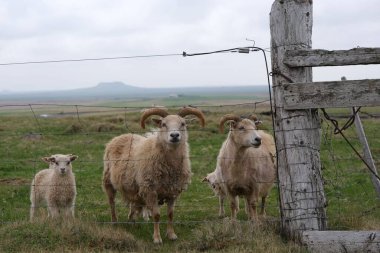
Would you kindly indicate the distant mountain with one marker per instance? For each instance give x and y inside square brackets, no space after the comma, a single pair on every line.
[108,89]
[119,90]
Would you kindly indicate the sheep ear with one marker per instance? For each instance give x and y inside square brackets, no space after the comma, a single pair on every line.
[48,159]
[205,179]
[73,157]
[157,121]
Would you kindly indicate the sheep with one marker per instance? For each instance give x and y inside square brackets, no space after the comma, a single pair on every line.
[150,170]
[55,187]
[247,164]
[215,181]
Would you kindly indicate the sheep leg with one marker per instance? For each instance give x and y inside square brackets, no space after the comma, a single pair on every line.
[34,201]
[246,208]
[252,202]
[262,211]
[152,204]
[170,229]
[234,206]
[111,193]
[221,206]
[53,211]
[132,212]
[146,213]
[32,211]
[69,212]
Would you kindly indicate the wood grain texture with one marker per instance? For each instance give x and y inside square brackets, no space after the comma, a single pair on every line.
[342,241]
[332,94]
[302,199]
[319,57]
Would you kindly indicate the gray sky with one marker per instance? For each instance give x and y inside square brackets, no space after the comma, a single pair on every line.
[37,30]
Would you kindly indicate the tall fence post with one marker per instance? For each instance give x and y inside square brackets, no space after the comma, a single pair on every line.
[302,199]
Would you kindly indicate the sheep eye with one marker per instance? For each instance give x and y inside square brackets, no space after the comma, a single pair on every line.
[68,163]
[163,125]
[183,124]
[241,128]
[56,163]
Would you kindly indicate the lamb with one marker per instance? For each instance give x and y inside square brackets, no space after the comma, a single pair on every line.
[247,164]
[55,187]
[150,170]
[215,181]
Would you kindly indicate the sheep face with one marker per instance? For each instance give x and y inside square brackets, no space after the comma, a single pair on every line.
[172,130]
[215,184]
[210,179]
[60,163]
[244,133]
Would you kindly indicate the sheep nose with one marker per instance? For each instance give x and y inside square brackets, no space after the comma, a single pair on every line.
[63,170]
[258,140]
[174,135]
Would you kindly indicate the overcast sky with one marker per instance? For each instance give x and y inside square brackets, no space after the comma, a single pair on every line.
[38,30]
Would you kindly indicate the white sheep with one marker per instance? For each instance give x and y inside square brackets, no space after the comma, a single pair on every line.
[215,181]
[247,164]
[150,170]
[55,187]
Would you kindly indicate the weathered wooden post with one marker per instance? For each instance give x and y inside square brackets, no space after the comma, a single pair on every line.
[297,125]
[302,199]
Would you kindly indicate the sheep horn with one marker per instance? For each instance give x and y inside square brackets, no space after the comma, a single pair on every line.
[254,118]
[152,111]
[225,118]
[192,111]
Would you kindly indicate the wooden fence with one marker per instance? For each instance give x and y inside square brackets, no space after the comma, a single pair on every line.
[297,125]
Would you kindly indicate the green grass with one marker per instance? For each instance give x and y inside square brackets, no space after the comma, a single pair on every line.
[352,201]
[348,187]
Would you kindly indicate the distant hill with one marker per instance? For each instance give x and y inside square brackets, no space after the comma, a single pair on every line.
[119,90]
[110,89]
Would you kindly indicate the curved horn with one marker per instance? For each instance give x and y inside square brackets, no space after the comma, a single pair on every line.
[192,111]
[152,111]
[225,118]
[254,118]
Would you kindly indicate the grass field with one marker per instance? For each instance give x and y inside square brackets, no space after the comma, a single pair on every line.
[26,137]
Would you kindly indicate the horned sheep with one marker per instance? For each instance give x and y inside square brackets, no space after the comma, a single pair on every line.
[150,170]
[247,164]
[55,187]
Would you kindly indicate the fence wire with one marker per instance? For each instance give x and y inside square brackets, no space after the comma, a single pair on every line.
[39,130]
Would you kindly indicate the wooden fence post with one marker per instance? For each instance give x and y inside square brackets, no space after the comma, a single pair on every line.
[302,199]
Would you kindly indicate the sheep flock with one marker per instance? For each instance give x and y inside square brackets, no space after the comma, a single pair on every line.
[154,169]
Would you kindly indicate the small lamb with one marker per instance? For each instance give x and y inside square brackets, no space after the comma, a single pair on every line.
[215,181]
[55,187]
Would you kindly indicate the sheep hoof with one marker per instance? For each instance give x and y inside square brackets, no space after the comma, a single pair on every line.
[172,236]
[157,240]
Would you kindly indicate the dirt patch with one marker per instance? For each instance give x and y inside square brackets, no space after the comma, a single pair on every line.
[14,181]
[32,137]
